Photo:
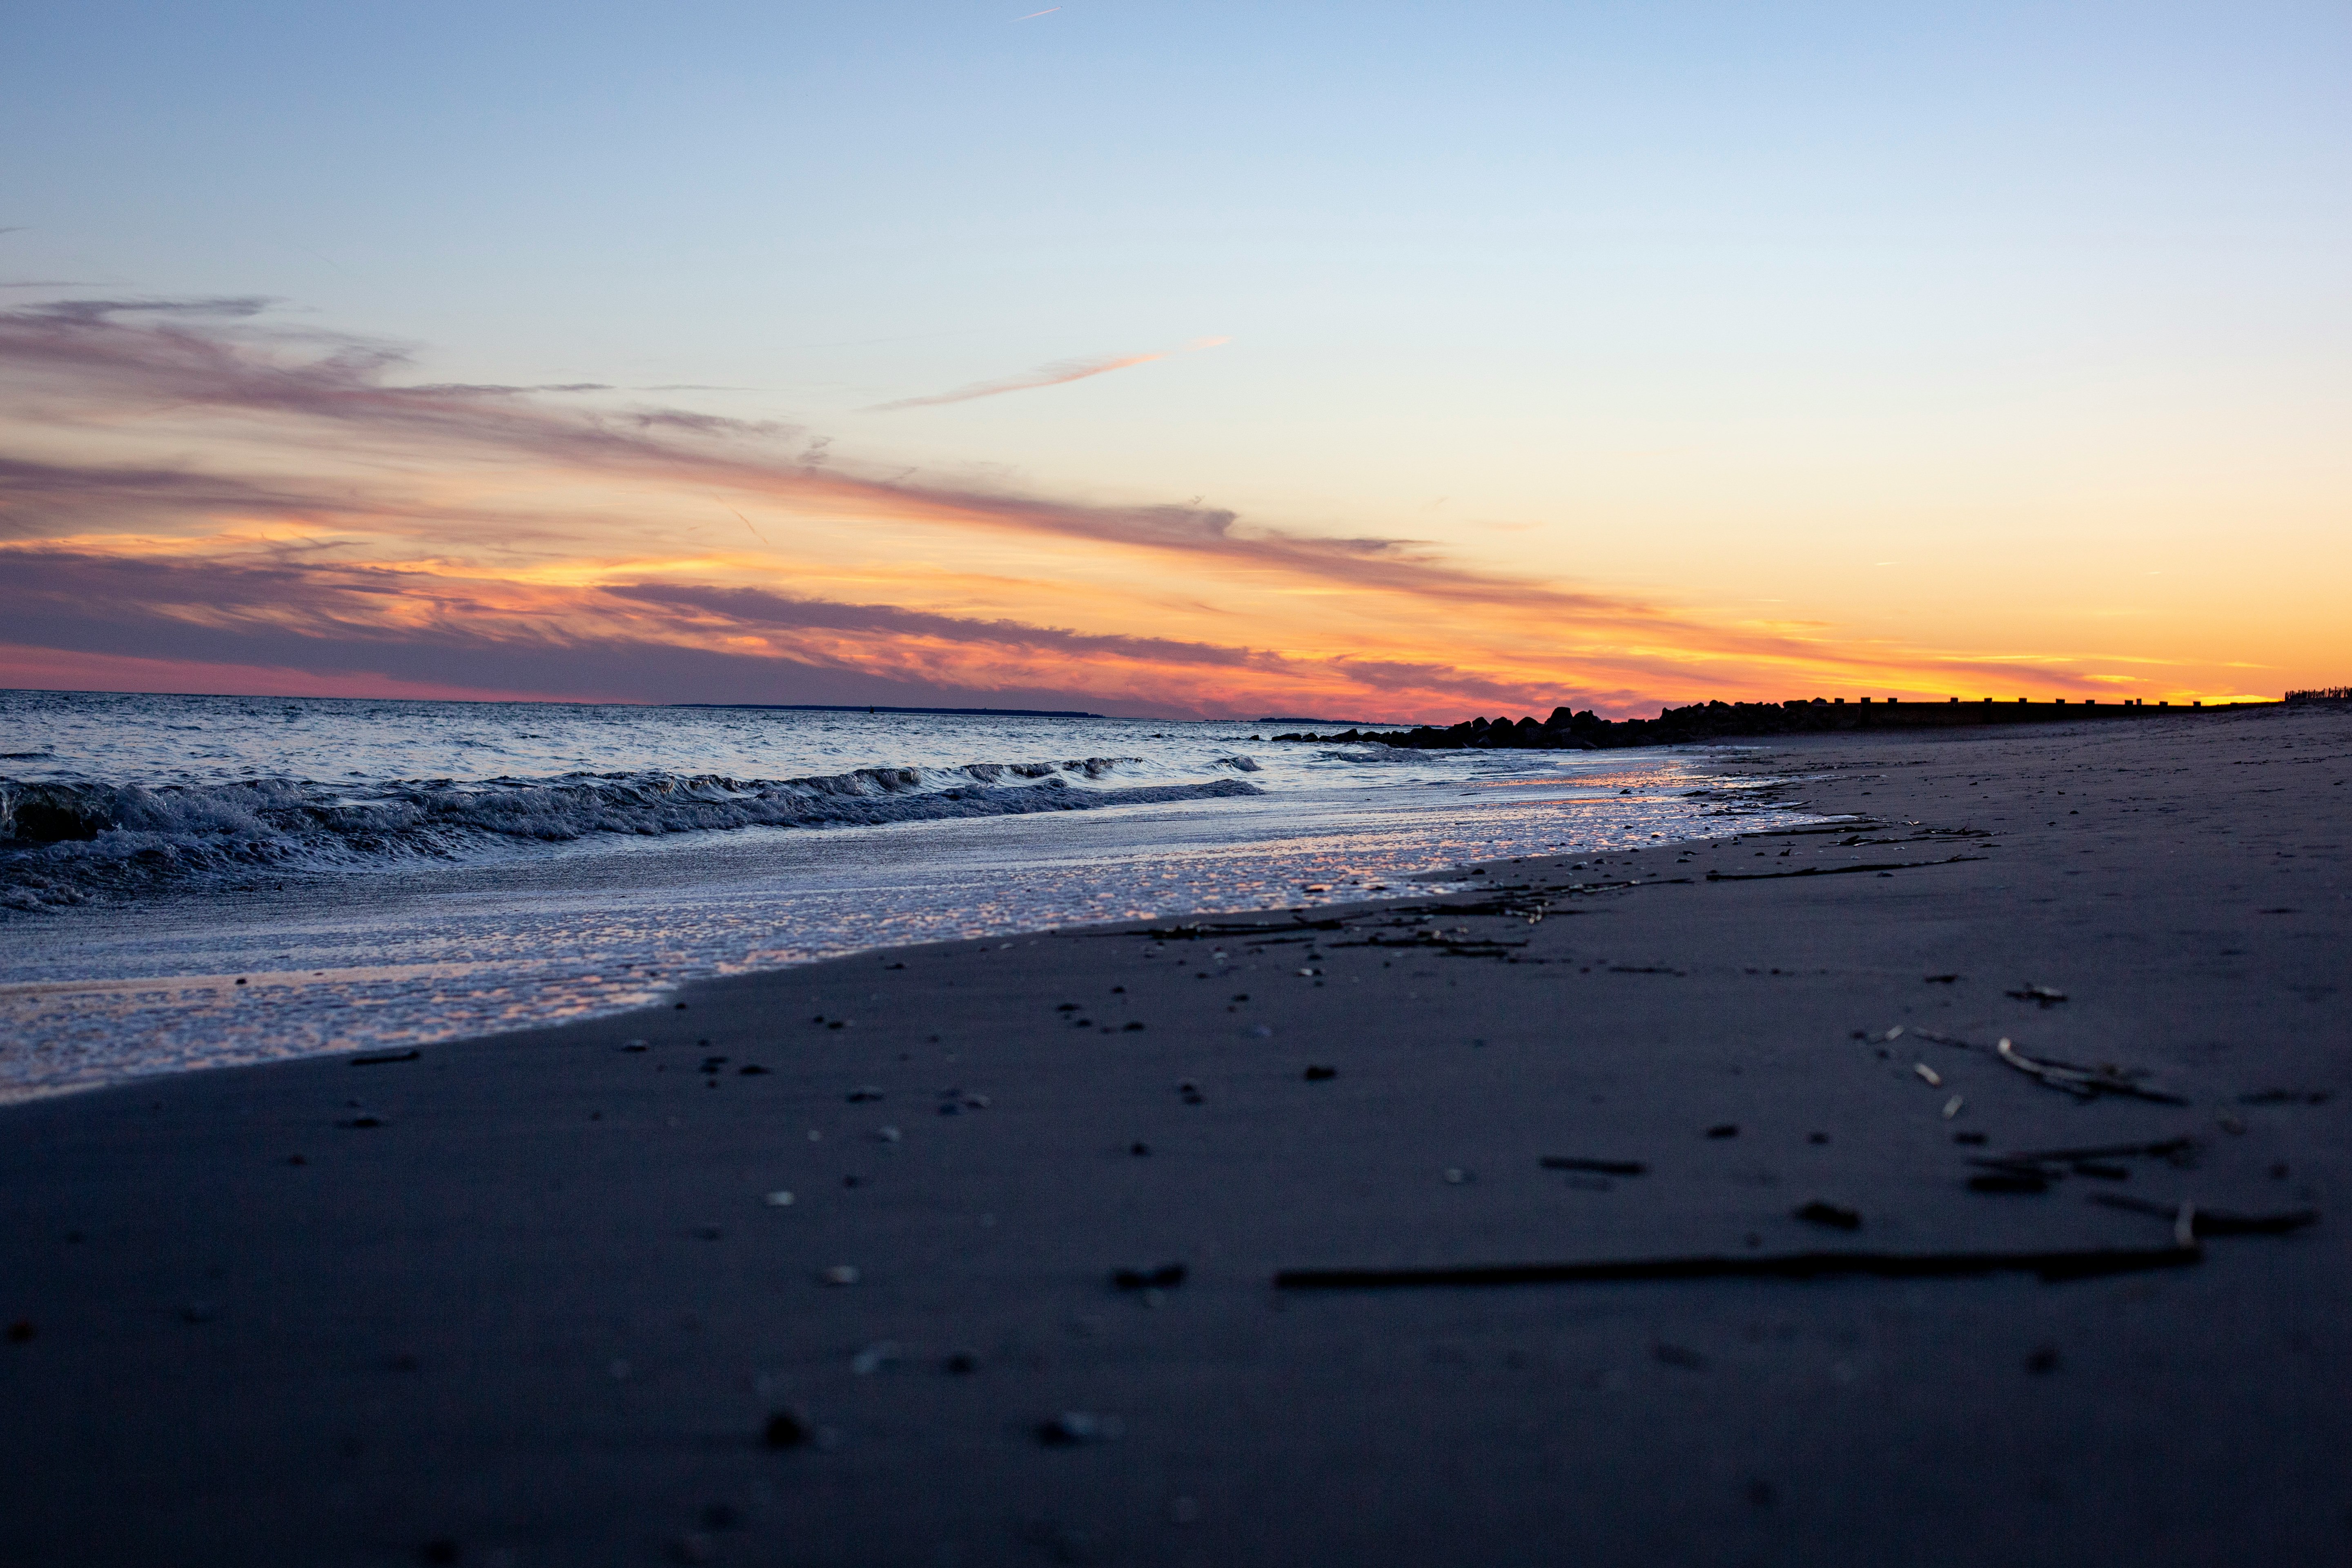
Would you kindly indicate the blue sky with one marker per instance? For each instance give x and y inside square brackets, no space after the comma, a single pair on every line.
[1689,300]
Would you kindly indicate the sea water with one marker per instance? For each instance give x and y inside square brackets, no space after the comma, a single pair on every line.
[190,882]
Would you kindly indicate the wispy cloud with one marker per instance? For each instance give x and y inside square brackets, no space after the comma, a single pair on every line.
[86,311]
[1058,373]
[492,389]
[184,483]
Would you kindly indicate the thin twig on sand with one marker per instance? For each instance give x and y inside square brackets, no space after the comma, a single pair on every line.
[1597,1167]
[2075,1264]
[2217,1222]
[2082,1082]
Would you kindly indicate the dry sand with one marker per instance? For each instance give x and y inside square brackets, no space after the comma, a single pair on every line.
[524,1301]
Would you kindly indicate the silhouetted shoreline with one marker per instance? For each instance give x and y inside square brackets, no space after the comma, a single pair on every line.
[1587,732]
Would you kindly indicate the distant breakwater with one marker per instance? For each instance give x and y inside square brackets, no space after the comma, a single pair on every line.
[1586,732]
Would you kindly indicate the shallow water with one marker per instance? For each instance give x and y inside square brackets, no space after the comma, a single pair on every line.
[382,873]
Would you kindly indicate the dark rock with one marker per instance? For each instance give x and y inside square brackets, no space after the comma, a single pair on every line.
[1166,1277]
[786,1429]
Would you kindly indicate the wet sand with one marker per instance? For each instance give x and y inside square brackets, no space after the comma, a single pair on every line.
[526,1300]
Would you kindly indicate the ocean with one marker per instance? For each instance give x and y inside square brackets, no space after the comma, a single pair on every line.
[189,881]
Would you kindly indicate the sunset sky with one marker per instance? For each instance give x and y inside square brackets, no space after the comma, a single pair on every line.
[1377,362]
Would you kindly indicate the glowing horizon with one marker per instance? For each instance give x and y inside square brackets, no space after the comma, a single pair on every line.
[1636,363]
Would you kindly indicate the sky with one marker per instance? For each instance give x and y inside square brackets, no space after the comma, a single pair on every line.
[1369,361]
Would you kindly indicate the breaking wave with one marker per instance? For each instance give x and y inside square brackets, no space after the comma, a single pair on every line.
[63,843]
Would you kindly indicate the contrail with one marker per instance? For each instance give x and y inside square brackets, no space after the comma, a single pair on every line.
[1034,15]
[1053,374]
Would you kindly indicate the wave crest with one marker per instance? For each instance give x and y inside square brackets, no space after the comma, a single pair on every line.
[62,843]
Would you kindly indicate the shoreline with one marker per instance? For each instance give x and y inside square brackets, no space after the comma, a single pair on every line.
[527,1297]
[419,954]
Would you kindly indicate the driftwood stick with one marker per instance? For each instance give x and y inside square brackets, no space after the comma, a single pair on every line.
[2080,1263]
[1598,1167]
[1834,870]
[2081,1082]
[2161,1148]
[2216,1222]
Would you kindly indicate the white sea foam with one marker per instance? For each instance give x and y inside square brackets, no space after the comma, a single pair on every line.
[61,842]
[394,873]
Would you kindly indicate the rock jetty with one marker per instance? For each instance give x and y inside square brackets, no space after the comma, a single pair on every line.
[1566,731]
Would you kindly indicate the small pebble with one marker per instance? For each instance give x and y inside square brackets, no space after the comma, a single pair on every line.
[1073,1428]
[1167,1276]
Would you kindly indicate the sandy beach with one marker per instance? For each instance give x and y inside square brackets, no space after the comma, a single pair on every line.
[540,1299]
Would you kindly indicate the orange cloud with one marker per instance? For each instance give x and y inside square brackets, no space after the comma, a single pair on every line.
[180,485]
